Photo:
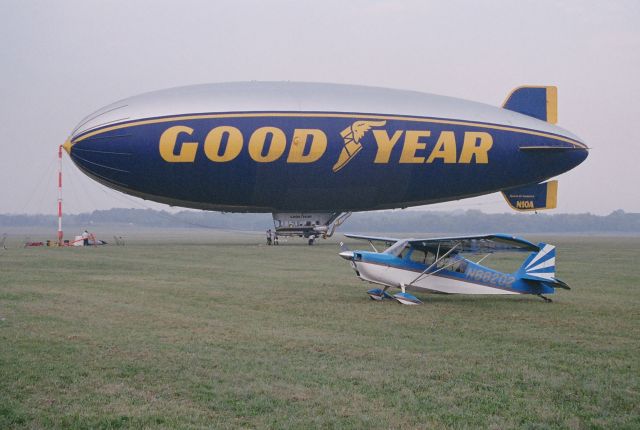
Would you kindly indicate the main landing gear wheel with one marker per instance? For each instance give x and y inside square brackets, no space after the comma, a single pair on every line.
[406,298]
[378,294]
[312,240]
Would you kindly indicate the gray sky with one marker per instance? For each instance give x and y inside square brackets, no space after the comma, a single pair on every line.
[62,60]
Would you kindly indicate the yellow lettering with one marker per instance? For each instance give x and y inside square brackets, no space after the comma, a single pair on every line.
[213,142]
[476,144]
[168,140]
[413,144]
[276,146]
[385,144]
[445,148]
[524,204]
[316,149]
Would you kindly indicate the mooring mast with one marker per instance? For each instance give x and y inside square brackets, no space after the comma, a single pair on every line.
[60,234]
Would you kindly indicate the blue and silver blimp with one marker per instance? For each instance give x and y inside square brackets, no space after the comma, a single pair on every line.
[312,153]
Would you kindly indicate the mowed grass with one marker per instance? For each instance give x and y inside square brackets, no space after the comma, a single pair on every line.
[231,333]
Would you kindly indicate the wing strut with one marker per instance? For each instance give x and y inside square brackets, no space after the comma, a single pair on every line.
[434,263]
[482,259]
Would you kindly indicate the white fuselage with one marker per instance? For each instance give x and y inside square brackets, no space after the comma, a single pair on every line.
[438,282]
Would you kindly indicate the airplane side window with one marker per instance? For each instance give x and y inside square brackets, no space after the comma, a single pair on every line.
[418,256]
[430,258]
[462,267]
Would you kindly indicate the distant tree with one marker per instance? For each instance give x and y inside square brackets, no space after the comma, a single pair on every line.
[401,221]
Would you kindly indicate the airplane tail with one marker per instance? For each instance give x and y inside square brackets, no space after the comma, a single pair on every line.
[541,267]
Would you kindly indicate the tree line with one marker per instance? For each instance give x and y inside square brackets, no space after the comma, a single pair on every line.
[470,221]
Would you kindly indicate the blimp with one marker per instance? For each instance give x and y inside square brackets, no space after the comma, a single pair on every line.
[312,153]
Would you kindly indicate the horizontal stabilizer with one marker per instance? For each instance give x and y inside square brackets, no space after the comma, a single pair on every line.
[533,197]
[557,283]
[537,101]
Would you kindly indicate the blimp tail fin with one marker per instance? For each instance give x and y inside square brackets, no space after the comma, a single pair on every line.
[537,101]
[533,197]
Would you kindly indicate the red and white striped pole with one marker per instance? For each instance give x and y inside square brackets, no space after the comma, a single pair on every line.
[60,234]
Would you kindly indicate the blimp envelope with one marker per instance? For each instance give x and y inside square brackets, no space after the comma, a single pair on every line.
[285,147]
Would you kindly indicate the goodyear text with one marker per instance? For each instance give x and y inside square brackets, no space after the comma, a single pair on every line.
[307,145]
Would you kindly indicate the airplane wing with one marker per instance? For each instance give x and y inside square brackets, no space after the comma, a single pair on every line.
[482,244]
[370,238]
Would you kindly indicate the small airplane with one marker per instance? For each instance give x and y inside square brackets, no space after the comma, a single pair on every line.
[436,265]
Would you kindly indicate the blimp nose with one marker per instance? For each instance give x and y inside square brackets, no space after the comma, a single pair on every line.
[67,146]
[106,160]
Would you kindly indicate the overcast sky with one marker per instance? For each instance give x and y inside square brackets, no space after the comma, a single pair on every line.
[62,60]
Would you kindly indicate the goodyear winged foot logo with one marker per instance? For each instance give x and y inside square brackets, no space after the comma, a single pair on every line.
[352,136]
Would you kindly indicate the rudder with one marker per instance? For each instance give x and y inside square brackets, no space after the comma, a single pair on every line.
[541,265]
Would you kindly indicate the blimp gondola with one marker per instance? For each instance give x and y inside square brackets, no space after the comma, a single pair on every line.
[312,153]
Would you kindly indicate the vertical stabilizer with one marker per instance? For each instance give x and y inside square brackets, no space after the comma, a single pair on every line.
[537,101]
[540,266]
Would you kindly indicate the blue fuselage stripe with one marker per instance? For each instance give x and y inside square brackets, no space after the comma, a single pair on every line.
[404,162]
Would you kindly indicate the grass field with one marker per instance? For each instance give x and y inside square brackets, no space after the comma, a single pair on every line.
[226,333]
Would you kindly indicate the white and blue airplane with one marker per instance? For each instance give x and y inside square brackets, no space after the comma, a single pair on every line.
[436,265]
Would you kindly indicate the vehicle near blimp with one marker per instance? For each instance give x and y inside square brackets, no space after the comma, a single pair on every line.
[438,265]
[312,153]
